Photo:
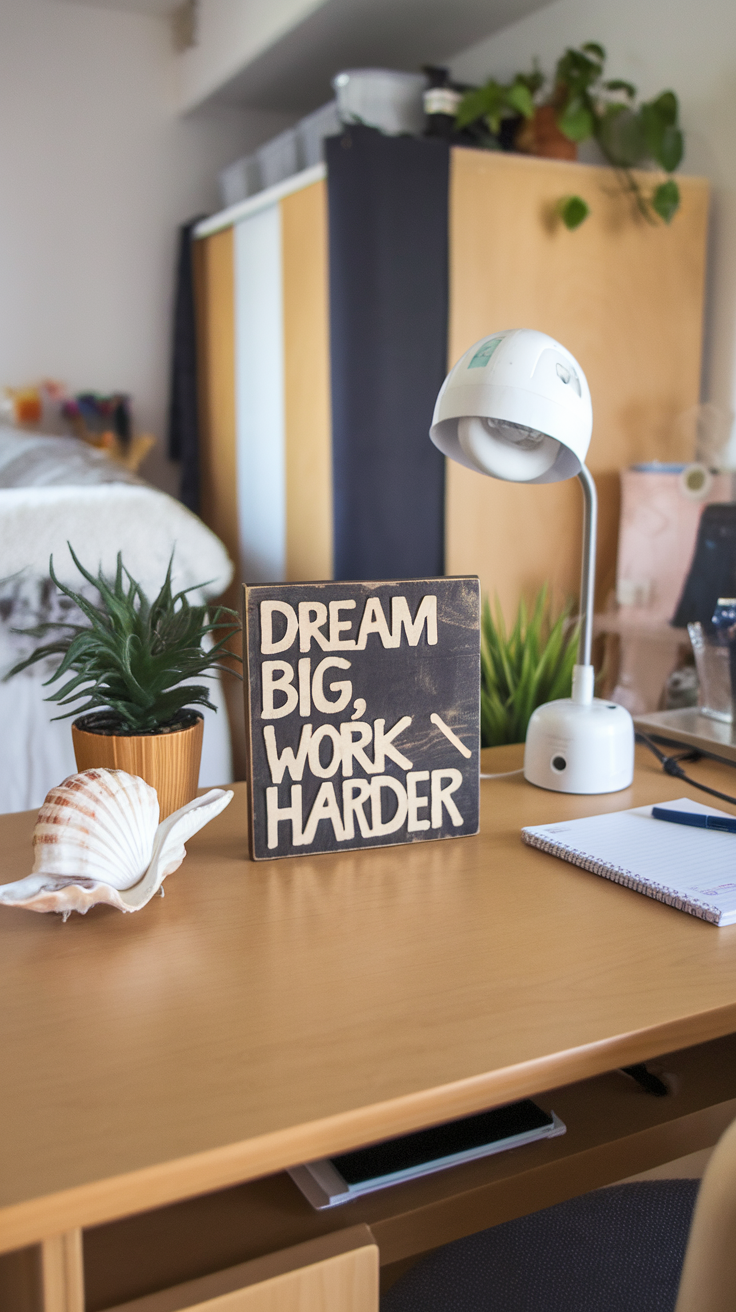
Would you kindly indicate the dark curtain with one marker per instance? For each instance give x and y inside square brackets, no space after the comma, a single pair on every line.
[183,436]
[388,199]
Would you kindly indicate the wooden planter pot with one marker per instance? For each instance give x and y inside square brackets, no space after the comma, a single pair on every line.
[169,761]
[541,136]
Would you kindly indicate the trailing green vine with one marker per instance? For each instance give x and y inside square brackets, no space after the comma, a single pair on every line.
[629,135]
[586,106]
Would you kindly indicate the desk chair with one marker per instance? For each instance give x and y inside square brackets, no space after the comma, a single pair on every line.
[618,1249]
[708,1282]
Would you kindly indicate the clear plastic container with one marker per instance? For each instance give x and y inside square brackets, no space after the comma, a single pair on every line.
[240,180]
[713,664]
[381,98]
[312,130]
[278,159]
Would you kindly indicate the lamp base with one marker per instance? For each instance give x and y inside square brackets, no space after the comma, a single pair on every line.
[574,748]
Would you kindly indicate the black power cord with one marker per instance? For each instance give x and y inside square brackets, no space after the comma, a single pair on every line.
[671,765]
[649,1082]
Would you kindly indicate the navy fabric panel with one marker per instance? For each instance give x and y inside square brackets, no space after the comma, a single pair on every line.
[183,443]
[388,199]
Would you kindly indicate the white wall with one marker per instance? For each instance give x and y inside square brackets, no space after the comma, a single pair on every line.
[657,44]
[97,169]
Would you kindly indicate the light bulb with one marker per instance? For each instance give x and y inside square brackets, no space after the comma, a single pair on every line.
[505,450]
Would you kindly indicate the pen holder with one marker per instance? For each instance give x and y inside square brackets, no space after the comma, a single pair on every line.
[713,664]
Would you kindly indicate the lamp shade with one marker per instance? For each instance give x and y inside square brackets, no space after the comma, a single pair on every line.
[516,406]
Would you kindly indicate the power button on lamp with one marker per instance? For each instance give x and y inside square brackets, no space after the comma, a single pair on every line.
[559,764]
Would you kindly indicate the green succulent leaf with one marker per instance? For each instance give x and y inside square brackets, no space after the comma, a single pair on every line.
[524,668]
[593,48]
[573,211]
[666,200]
[134,658]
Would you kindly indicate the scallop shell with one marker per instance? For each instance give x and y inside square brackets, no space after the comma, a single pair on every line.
[98,839]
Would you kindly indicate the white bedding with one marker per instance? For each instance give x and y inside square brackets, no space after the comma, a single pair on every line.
[99,518]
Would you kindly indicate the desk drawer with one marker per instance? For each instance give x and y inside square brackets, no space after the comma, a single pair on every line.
[338,1273]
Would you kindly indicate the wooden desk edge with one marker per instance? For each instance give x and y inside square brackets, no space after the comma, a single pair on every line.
[101,1201]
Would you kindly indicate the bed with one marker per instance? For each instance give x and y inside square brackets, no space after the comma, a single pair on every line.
[55,491]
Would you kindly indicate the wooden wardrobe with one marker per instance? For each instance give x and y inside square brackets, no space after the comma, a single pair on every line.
[624,296]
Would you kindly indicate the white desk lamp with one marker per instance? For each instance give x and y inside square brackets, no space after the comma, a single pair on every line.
[517,407]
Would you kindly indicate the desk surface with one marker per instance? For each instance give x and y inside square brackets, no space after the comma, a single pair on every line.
[264,1014]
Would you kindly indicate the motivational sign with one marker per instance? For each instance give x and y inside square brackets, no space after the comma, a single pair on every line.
[362,713]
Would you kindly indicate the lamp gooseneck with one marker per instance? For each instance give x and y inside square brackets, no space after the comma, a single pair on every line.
[583,676]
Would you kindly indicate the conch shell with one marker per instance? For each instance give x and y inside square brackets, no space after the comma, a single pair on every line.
[98,839]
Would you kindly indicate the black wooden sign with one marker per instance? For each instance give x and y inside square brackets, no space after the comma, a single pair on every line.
[362,713]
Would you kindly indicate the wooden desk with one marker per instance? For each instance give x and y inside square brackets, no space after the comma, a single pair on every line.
[266,1014]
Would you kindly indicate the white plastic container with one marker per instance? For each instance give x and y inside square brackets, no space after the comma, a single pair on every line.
[381,98]
[278,158]
[240,180]
[312,130]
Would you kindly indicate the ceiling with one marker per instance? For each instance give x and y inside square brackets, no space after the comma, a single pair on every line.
[158,7]
[294,73]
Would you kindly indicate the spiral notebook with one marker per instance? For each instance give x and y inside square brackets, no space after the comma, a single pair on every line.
[691,869]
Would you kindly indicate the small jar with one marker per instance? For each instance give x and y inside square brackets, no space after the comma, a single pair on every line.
[441,101]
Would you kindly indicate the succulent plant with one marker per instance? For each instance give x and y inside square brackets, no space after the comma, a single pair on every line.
[132,659]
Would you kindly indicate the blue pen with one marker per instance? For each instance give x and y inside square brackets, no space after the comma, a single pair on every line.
[695,818]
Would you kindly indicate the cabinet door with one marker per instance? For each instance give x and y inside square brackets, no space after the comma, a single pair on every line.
[624,296]
[266,460]
[338,1273]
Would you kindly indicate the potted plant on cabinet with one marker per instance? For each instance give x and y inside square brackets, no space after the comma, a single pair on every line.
[629,135]
[131,665]
[581,106]
[497,109]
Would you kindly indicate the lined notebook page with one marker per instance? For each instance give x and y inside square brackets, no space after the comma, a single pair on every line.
[691,869]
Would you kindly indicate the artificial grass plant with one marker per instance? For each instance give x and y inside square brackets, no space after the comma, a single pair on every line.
[524,668]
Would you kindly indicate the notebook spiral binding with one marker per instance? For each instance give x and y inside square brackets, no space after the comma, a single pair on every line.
[618,875]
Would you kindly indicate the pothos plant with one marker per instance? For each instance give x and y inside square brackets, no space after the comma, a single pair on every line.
[588,107]
[630,135]
[497,104]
